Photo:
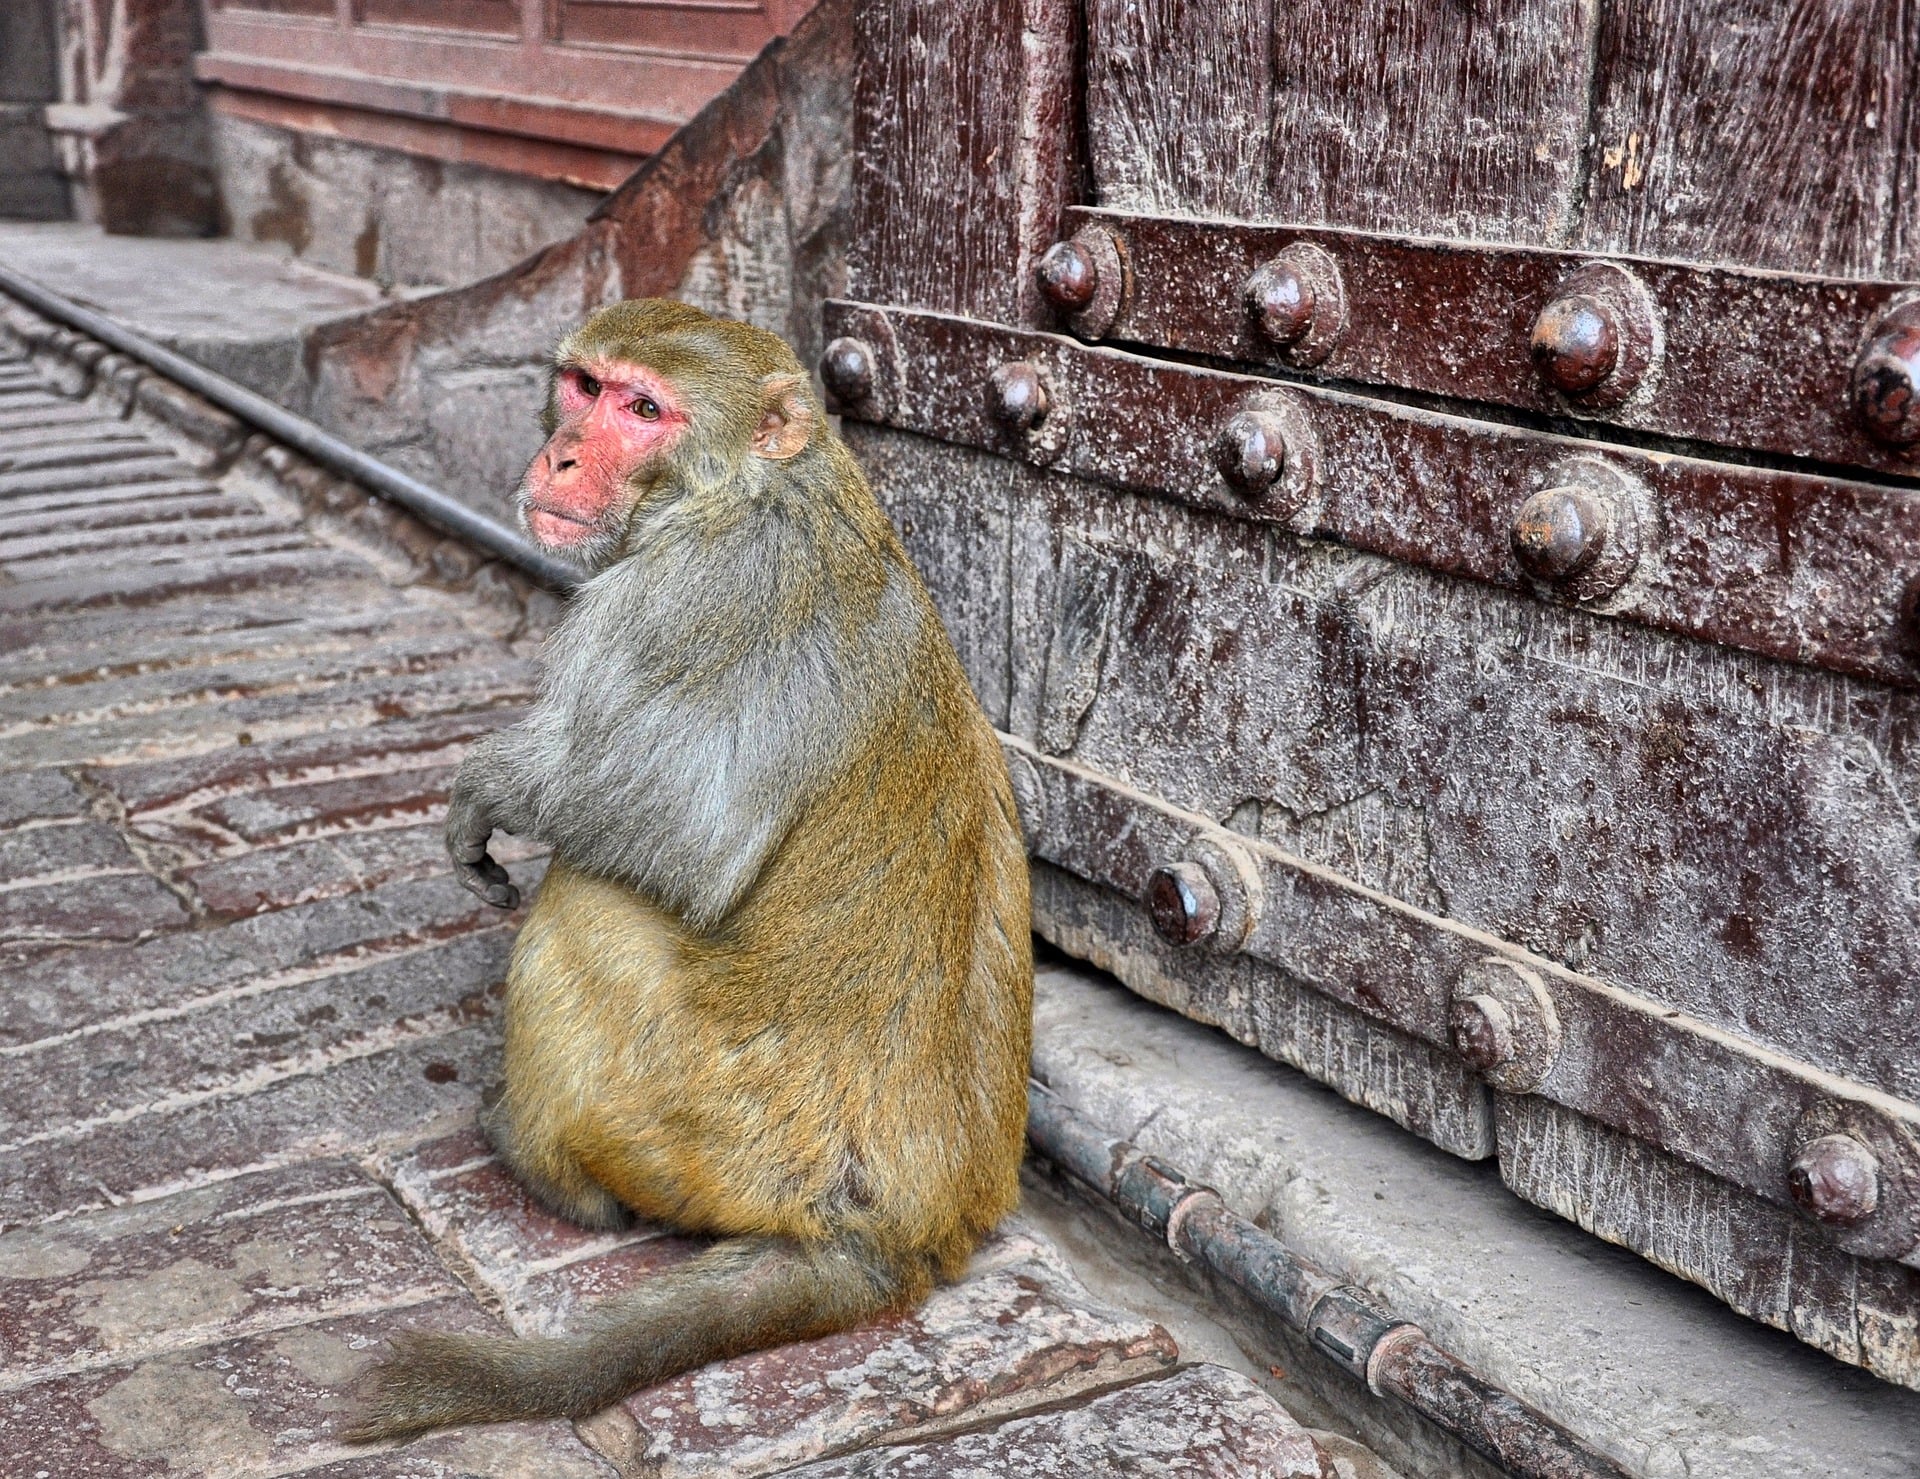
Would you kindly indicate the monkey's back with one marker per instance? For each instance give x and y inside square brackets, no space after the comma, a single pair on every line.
[849,1050]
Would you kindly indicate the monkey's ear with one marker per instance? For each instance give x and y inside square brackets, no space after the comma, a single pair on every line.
[786,424]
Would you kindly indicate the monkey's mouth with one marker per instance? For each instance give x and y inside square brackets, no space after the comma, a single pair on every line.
[552,527]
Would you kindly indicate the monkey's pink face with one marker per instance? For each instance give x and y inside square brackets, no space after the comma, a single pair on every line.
[614,419]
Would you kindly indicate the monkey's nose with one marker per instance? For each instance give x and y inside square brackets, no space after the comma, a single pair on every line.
[563,464]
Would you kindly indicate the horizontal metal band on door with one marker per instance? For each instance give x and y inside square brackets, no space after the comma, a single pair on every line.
[1732,1107]
[1805,568]
[1743,358]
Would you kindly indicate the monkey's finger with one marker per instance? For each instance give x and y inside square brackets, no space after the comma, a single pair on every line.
[490,870]
[468,830]
[499,895]
[488,880]
[467,845]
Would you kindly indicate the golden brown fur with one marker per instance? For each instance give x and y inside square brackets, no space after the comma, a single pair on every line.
[826,1064]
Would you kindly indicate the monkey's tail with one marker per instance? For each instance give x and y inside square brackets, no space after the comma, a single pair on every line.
[738,1296]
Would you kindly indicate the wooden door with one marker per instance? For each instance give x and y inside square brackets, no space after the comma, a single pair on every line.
[1440,541]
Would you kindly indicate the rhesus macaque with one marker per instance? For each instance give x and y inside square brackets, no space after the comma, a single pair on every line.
[777,984]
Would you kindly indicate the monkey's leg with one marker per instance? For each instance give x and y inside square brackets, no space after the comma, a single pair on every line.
[558,1007]
[741,1295]
[557,1181]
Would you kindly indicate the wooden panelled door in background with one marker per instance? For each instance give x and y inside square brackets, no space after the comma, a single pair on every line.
[1441,544]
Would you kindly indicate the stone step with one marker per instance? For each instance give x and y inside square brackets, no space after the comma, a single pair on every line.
[1643,1367]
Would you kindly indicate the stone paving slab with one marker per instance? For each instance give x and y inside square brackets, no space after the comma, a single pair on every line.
[256,622]
[253,1253]
[227,1044]
[1201,1423]
[257,1405]
[39,795]
[1017,1331]
[87,991]
[461,1194]
[248,1018]
[301,671]
[122,906]
[402,1083]
[135,519]
[147,788]
[347,864]
[168,679]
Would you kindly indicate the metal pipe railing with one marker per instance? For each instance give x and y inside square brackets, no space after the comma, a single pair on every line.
[1393,1357]
[440,509]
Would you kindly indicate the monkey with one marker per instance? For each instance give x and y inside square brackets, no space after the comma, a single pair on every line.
[776,985]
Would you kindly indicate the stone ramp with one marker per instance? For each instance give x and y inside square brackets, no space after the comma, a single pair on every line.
[241,308]
[248,1016]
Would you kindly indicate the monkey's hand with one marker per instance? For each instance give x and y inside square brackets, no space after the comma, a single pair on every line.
[469,825]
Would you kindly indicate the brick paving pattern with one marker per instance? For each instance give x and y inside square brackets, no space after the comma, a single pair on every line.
[248,1017]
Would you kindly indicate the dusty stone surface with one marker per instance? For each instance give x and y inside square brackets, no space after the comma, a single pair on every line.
[1645,1368]
[214,728]
[238,308]
[249,1017]
[254,1253]
[1019,1329]
[1202,1422]
[258,1405]
[541,1270]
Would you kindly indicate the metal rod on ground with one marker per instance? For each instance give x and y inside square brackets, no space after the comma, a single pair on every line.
[439,509]
[1393,1357]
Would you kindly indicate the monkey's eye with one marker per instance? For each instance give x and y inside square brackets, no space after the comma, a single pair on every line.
[646,409]
[586,384]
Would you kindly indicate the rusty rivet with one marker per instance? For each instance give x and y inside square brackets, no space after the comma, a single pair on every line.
[1909,613]
[1835,1180]
[1597,339]
[1251,451]
[1183,903]
[1086,279]
[1482,1032]
[1576,343]
[1068,275]
[1298,303]
[1281,300]
[1017,396]
[1886,379]
[1502,1022]
[1559,532]
[846,369]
